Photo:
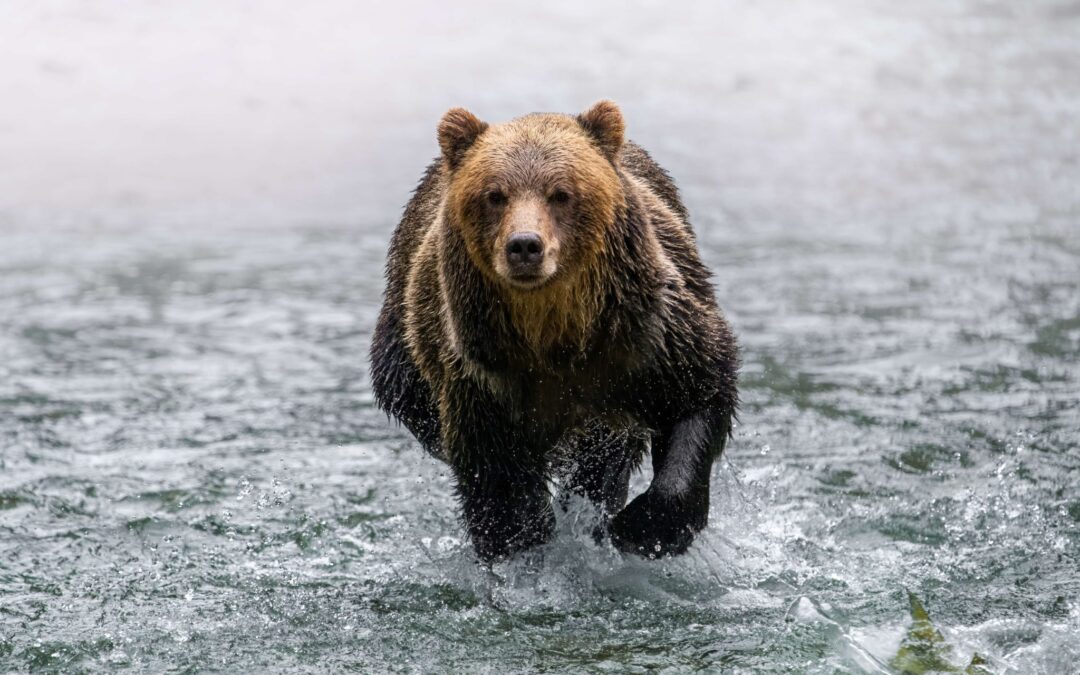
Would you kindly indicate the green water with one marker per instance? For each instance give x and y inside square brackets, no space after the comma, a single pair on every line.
[194,478]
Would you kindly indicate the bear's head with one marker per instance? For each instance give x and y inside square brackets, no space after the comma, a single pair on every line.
[533,198]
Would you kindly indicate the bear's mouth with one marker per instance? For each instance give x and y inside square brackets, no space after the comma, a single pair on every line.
[527,280]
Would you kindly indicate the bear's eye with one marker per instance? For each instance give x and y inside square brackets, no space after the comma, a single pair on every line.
[559,197]
[496,198]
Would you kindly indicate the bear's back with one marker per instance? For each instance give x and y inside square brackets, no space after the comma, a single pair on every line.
[669,217]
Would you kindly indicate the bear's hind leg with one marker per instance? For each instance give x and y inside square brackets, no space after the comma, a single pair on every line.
[600,462]
[399,388]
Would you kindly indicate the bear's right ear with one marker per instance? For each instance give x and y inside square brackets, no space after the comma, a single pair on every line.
[458,130]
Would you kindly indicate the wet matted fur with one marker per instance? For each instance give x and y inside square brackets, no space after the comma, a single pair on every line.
[613,335]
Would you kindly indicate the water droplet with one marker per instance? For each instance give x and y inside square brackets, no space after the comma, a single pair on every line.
[245,488]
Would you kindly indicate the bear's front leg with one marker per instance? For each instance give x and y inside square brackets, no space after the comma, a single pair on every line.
[501,478]
[505,511]
[664,519]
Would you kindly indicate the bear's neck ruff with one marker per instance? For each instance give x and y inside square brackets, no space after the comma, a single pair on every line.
[561,314]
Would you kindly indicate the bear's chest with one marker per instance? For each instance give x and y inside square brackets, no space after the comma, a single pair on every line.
[570,397]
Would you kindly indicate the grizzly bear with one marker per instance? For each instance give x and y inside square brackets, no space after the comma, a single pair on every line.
[547,316]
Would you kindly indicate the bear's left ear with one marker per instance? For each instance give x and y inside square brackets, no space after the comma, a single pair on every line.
[604,122]
[458,130]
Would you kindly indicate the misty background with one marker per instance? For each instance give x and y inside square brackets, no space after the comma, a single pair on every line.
[782,113]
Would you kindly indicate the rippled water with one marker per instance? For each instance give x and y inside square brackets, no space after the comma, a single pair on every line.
[193,476]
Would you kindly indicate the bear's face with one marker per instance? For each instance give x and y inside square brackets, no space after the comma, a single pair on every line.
[533,198]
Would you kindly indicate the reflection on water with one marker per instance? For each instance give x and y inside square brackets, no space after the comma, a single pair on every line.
[193,475]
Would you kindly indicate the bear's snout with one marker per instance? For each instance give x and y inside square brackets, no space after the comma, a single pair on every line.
[524,253]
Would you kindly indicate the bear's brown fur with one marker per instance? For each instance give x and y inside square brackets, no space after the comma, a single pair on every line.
[546,310]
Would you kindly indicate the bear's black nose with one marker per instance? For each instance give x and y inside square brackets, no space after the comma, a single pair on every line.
[524,250]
